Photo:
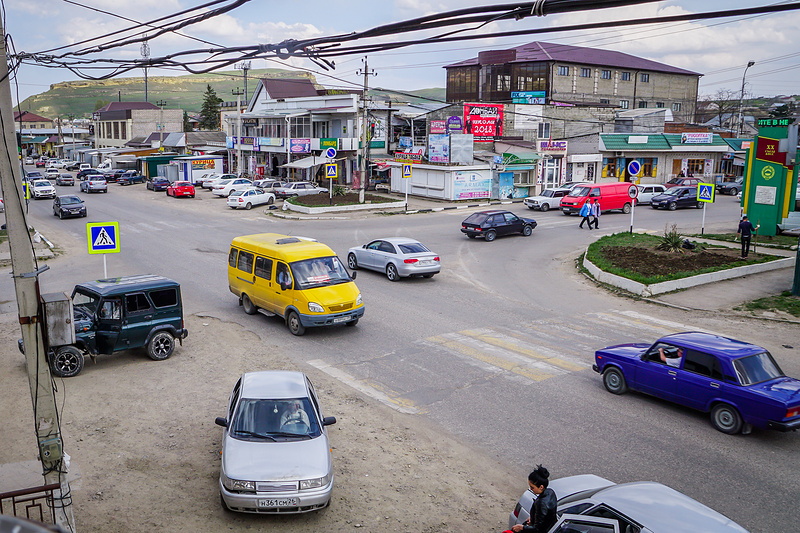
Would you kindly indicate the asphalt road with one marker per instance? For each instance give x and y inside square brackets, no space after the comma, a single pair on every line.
[497,349]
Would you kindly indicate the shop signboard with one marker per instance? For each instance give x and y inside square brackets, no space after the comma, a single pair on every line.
[697,138]
[528,97]
[248,141]
[438,126]
[328,143]
[550,146]
[203,164]
[405,142]
[439,148]
[407,157]
[484,121]
[230,142]
[468,184]
[270,141]
[300,146]
[455,124]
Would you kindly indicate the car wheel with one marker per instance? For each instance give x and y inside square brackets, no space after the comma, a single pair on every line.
[614,381]
[527,230]
[391,272]
[249,206]
[271,201]
[672,206]
[545,207]
[490,235]
[352,262]
[626,208]
[699,205]
[352,323]
[61,215]
[248,306]
[67,362]
[734,192]
[293,323]
[654,206]
[565,213]
[726,418]
[161,346]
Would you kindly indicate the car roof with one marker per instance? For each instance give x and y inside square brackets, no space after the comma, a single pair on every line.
[662,509]
[273,384]
[491,212]
[112,286]
[720,346]
[285,247]
[397,240]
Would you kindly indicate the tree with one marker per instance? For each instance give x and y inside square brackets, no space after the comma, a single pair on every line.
[785,111]
[723,104]
[209,114]
[187,126]
[101,103]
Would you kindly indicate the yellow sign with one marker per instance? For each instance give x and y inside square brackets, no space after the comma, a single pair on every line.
[26,190]
[406,170]
[330,170]
[103,237]
[705,192]
[768,172]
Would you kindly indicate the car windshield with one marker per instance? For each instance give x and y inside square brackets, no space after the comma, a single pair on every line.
[756,368]
[41,183]
[67,200]
[235,194]
[579,191]
[319,272]
[674,181]
[476,218]
[413,248]
[675,191]
[85,302]
[548,193]
[260,419]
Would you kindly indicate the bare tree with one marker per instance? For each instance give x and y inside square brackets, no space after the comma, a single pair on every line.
[723,104]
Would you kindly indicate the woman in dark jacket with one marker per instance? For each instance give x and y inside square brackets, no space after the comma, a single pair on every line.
[543,511]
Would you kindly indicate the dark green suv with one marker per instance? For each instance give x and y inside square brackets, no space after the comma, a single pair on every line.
[117,314]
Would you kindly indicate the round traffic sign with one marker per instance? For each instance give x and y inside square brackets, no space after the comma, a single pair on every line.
[633,191]
[330,153]
[634,167]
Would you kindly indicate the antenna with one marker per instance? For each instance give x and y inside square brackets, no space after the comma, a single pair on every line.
[145,51]
[244,66]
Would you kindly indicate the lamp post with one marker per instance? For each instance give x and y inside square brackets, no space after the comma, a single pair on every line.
[741,98]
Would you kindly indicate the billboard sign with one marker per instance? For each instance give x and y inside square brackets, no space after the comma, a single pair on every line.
[483,121]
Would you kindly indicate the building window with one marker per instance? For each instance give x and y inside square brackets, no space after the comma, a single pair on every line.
[116,130]
[462,84]
[676,107]
[495,83]
[544,130]
[645,78]
[604,101]
[605,74]
[623,104]
[642,104]
[586,72]
[563,71]
[625,76]
[123,128]
[300,127]
[659,104]
[529,76]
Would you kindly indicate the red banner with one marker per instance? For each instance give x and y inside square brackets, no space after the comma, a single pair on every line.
[483,121]
[767,150]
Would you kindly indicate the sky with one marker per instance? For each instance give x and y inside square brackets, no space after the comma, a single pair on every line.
[718,48]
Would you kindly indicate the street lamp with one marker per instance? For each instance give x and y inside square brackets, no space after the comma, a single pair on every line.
[741,98]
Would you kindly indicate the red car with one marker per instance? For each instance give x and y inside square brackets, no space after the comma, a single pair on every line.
[181,188]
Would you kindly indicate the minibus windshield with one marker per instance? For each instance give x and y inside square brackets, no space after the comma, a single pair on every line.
[319,272]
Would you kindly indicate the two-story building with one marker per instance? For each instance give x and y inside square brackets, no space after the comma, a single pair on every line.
[118,122]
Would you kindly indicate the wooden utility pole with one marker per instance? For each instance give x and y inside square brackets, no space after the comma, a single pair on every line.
[26,284]
[238,94]
[364,132]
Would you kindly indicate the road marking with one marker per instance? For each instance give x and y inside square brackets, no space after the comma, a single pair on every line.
[167,224]
[638,318]
[148,227]
[540,352]
[396,403]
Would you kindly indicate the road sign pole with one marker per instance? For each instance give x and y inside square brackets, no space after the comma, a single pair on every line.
[105,267]
[703,225]
[407,193]
[633,208]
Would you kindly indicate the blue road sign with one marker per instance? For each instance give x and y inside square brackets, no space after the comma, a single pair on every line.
[103,237]
[634,167]
[705,192]
[406,170]
[330,153]
[330,170]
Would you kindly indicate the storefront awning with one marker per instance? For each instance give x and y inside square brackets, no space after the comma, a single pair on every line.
[40,139]
[312,161]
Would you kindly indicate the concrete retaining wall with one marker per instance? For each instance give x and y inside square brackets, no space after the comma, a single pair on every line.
[342,208]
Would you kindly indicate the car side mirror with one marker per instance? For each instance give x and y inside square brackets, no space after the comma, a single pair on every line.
[221,421]
[329,421]
[353,275]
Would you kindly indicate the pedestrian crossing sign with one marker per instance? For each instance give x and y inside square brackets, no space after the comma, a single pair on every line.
[103,237]
[705,192]
[406,170]
[330,170]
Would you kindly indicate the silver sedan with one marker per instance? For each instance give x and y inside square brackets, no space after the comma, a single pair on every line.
[398,257]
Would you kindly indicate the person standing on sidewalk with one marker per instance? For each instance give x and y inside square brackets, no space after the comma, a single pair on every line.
[745,231]
[596,214]
[586,212]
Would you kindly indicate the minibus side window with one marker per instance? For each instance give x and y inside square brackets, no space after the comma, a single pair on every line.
[232,257]
[264,268]
[245,262]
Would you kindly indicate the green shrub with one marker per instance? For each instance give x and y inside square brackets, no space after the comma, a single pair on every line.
[671,241]
[339,190]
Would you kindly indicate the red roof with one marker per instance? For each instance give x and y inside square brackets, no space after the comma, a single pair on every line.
[124,106]
[27,116]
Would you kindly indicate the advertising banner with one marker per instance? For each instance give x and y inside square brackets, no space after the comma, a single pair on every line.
[527,117]
[697,138]
[203,164]
[328,143]
[558,147]
[438,126]
[405,142]
[471,184]
[484,121]
[439,148]
[461,149]
[270,141]
[528,97]
[455,124]
[300,146]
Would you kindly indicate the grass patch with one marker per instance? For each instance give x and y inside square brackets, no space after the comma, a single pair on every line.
[784,241]
[785,302]
[351,198]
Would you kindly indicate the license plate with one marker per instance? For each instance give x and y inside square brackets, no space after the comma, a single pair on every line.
[341,319]
[426,262]
[282,502]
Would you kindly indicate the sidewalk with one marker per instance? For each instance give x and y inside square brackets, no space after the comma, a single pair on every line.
[41,249]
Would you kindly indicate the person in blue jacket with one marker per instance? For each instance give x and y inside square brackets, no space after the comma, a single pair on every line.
[586,212]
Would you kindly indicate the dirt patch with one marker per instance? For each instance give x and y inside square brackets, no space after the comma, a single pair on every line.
[651,262]
[319,200]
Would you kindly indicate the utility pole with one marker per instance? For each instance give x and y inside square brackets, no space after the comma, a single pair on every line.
[364,131]
[161,104]
[238,94]
[145,51]
[244,66]
[72,125]
[26,285]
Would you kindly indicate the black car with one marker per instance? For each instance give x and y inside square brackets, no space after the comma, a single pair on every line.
[129,177]
[677,197]
[730,187]
[158,184]
[85,173]
[112,175]
[68,205]
[492,224]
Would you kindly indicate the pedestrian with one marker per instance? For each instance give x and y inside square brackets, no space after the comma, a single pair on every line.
[543,511]
[595,214]
[745,231]
[586,212]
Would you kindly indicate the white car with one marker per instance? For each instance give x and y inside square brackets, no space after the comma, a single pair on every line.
[210,183]
[43,189]
[547,200]
[250,197]
[299,188]
[51,173]
[646,193]
[28,160]
[226,187]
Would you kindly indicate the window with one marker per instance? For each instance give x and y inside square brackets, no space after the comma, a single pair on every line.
[110,310]
[625,76]
[624,104]
[300,127]
[245,262]
[462,84]
[136,303]
[756,368]
[164,297]
[529,76]
[659,105]
[116,130]
[123,132]
[625,525]
[510,217]
[263,268]
[642,104]
[676,106]
[604,101]
[605,74]
[703,364]
[544,130]
[586,72]
[232,257]
[645,78]
[386,247]
[563,71]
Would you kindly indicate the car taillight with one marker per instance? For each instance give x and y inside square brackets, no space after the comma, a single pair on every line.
[409,261]
[793,412]
[517,509]
[436,258]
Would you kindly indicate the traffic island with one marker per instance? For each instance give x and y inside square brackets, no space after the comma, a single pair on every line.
[319,204]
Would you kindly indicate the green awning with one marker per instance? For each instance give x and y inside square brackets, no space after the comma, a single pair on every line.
[40,139]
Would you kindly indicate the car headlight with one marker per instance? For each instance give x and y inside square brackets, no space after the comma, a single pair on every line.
[237,484]
[315,307]
[358,300]
[306,484]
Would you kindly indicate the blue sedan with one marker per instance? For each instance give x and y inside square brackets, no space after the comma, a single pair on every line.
[740,384]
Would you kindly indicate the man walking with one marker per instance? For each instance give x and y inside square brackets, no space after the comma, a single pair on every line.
[746,230]
[586,212]
[596,214]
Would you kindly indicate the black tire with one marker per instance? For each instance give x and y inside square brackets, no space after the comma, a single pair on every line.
[61,215]
[470,235]
[672,206]
[614,381]
[734,191]
[352,262]
[699,205]
[626,208]
[352,323]
[490,235]
[545,207]
[161,346]
[430,275]
[726,418]
[527,230]
[248,305]
[565,213]
[248,206]
[654,206]
[66,362]
[271,201]
[293,323]
[391,272]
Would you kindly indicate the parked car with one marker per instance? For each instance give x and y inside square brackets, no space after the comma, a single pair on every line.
[210,183]
[611,196]
[2,206]
[269,185]
[276,456]
[29,161]
[646,193]
[730,187]
[225,187]
[65,179]
[130,177]
[676,197]
[249,198]
[57,163]
[158,183]
[548,199]
[740,384]
[397,257]
[682,182]
[34,175]
[492,224]
[181,188]
[112,175]
[73,165]
[84,173]
[94,183]
[85,166]
[117,314]
[42,189]
[68,205]
[590,503]
[198,182]
[51,173]
[572,184]
[298,188]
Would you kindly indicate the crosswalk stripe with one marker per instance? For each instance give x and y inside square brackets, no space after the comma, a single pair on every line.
[638,317]
[167,224]
[147,226]
[540,353]
[622,323]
